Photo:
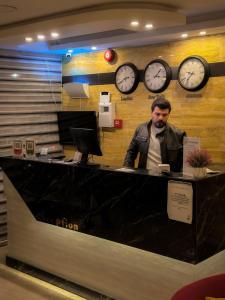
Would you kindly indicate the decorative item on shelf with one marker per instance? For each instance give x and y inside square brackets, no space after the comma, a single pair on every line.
[199,160]
[30,148]
[17,148]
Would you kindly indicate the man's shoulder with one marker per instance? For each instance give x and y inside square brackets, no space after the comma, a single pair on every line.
[142,129]
[174,129]
[142,125]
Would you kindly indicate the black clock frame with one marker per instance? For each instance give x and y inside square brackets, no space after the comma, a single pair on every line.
[136,80]
[168,75]
[206,75]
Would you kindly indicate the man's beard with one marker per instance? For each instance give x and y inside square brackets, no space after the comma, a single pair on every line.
[160,124]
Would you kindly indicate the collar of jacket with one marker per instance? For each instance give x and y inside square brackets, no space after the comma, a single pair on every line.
[160,134]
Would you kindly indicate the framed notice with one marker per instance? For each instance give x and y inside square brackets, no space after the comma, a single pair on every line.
[18,148]
[180,201]
[30,148]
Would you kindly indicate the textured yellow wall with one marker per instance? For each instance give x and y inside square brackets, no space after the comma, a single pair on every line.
[198,116]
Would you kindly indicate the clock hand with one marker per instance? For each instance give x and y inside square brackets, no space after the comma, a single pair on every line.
[156,75]
[190,74]
[125,78]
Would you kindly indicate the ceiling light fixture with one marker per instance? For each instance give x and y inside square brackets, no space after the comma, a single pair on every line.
[54,34]
[41,37]
[184,35]
[148,26]
[28,39]
[70,51]
[14,75]
[134,23]
[202,33]
[93,48]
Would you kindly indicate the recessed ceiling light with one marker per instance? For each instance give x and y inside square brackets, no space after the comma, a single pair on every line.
[41,37]
[70,51]
[148,26]
[94,48]
[14,75]
[184,35]
[134,23]
[202,32]
[54,34]
[28,39]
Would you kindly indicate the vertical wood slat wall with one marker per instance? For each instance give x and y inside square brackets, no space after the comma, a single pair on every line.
[30,95]
[3,213]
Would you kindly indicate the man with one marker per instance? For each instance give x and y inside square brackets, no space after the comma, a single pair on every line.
[157,141]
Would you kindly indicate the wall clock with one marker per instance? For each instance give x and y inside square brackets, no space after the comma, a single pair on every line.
[126,78]
[193,73]
[157,76]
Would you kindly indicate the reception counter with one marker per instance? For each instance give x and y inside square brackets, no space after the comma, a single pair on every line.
[128,208]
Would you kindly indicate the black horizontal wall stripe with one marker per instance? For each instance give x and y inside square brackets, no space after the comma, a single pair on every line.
[216,70]
[92,79]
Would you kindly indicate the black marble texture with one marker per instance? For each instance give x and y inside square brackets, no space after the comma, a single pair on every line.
[128,208]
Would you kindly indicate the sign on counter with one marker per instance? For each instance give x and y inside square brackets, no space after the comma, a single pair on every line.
[180,201]
[189,144]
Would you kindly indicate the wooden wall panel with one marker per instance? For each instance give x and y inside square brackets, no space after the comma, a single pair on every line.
[199,114]
[3,213]
[30,95]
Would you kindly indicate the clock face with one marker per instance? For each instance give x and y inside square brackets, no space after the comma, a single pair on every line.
[193,73]
[157,76]
[126,78]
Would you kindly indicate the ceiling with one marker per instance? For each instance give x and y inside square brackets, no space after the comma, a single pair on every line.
[104,24]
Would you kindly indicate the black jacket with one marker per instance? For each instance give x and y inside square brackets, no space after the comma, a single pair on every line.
[171,144]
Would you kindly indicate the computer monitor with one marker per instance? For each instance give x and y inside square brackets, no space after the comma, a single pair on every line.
[86,142]
[75,119]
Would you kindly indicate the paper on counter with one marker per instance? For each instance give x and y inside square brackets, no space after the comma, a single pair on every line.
[180,201]
[125,170]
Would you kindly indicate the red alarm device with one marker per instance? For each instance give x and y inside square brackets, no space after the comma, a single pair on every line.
[118,123]
[109,55]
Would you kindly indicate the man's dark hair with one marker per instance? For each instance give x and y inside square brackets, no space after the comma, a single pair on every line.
[162,103]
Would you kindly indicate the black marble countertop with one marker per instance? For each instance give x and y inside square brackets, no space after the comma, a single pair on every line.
[124,206]
[220,168]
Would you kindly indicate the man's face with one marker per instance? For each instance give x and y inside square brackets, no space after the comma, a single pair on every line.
[160,117]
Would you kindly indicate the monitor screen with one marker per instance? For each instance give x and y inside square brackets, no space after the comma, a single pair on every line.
[75,119]
[86,142]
